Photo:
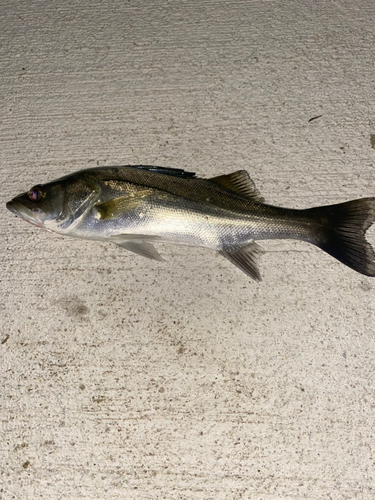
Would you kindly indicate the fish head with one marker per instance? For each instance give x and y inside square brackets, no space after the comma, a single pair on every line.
[56,206]
[40,206]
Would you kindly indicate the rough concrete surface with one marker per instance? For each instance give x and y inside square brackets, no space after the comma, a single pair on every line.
[123,378]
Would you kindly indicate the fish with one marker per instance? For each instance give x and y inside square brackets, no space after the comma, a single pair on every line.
[139,206]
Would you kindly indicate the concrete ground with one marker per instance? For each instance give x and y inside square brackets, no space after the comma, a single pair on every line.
[124,378]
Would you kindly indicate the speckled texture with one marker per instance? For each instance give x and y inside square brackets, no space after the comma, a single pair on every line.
[123,378]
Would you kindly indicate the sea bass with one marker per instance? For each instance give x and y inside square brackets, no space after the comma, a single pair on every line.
[137,206]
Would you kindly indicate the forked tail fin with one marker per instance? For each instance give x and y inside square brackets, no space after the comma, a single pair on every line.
[342,231]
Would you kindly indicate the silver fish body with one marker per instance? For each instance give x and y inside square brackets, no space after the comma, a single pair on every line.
[135,207]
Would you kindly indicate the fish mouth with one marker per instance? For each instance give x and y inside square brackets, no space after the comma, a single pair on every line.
[14,207]
[21,211]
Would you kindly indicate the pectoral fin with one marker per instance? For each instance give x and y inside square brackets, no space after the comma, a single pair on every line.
[138,245]
[118,206]
[245,258]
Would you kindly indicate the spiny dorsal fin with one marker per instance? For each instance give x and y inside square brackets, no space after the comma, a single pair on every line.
[175,172]
[245,258]
[239,182]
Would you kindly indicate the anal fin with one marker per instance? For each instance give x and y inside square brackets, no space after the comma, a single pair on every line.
[245,258]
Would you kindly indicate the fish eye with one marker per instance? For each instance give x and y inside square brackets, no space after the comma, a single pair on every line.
[35,193]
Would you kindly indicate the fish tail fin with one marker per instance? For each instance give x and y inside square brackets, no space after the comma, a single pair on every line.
[342,230]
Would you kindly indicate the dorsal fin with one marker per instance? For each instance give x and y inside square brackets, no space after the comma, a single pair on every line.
[175,172]
[239,182]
